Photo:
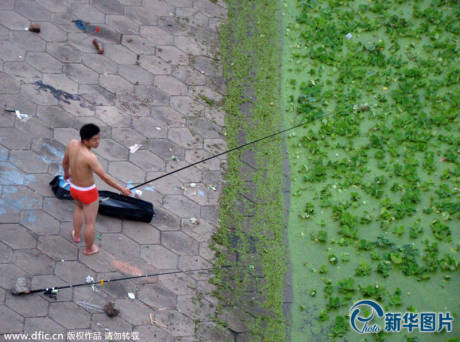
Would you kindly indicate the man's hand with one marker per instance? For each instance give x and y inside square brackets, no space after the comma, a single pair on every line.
[66,175]
[126,192]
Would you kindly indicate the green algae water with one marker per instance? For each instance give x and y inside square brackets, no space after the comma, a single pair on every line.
[375,175]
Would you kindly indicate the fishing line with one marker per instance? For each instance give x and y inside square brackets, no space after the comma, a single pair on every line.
[232,149]
[219,154]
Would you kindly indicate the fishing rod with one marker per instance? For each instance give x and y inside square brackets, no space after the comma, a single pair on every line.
[53,291]
[219,154]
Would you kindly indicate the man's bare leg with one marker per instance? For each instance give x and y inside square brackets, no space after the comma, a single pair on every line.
[77,222]
[90,213]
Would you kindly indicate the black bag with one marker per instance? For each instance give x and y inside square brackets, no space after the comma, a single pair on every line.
[60,188]
[110,203]
[124,207]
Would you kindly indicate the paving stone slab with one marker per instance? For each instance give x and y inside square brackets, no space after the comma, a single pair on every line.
[10,273]
[179,243]
[170,85]
[22,71]
[159,256]
[52,33]
[94,95]
[187,106]
[11,322]
[39,184]
[172,25]
[177,323]
[151,95]
[28,161]
[172,55]
[32,306]
[99,63]
[11,52]
[153,333]
[164,220]
[201,232]
[33,128]
[6,254]
[141,233]
[54,117]
[180,284]
[122,24]
[183,137]
[115,84]
[150,127]
[127,172]
[16,236]
[7,4]
[206,252]
[161,9]
[141,15]
[13,21]
[8,85]
[44,324]
[189,75]
[110,6]
[64,52]
[33,261]
[112,116]
[198,309]
[112,151]
[4,33]
[89,13]
[211,332]
[57,248]
[119,245]
[155,65]
[73,272]
[181,206]
[157,296]
[70,315]
[39,222]
[167,114]
[195,155]
[31,10]
[147,161]
[102,323]
[29,41]
[190,45]
[135,74]
[57,6]
[139,44]
[134,312]
[80,73]
[120,54]
[64,135]
[44,62]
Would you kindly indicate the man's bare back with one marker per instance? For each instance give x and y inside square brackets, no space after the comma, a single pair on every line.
[81,159]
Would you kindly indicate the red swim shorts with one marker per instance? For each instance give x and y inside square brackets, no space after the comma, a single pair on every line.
[85,195]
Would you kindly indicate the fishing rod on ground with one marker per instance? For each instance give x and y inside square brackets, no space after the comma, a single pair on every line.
[21,287]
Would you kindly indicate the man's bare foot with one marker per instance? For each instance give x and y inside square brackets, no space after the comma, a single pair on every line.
[94,249]
[75,239]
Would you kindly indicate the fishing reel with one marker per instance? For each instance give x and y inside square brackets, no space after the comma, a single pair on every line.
[51,292]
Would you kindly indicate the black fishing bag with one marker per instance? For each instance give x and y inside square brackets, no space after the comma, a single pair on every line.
[110,203]
[124,207]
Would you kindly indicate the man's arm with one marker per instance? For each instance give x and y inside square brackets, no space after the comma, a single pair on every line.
[66,163]
[98,170]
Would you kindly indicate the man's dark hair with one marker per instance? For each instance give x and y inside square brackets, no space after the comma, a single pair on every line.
[88,131]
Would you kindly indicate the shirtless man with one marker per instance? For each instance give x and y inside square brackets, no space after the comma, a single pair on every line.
[83,164]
